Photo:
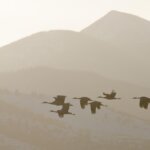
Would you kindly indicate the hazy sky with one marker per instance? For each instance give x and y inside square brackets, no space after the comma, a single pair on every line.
[19,18]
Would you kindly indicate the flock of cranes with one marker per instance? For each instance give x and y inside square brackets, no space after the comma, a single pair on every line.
[94,105]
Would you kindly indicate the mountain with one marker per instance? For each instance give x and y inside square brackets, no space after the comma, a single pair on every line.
[56,49]
[123,30]
[116,47]
[131,35]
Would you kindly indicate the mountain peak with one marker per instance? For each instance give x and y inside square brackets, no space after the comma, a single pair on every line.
[120,13]
[114,12]
[118,17]
[117,22]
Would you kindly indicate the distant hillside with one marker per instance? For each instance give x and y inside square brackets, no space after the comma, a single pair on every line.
[53,81]
[27,124]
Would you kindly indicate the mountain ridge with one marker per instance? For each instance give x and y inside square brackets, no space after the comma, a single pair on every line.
[117,52]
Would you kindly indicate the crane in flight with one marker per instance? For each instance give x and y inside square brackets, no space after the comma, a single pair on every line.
[83,101]
[95,105]
[144,101]
[59,100]
[109,96]
[64,110]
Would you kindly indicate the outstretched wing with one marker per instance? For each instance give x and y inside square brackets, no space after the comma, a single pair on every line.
[82,104]
[105,94]
[60,99]
[61,114]
[141,104]
[93,109]
[65,107]
[146,105]
[98,105]
[113,94]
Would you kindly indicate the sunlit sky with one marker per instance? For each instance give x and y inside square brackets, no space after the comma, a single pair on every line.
[19,18]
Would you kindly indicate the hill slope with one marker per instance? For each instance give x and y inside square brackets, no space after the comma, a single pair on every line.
[73,84]
[27,124]
[54,81]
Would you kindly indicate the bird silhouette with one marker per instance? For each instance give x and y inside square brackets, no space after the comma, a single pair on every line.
[83,101]
[66,106]
[95,105]
[64,110]
[110,96]
[60,113]
[144,101]
[59,100]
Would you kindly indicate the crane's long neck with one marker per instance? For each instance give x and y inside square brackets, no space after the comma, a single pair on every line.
[70,113]
[76,98]
[136,97]
[46,102]
[54,111]
[101,97]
